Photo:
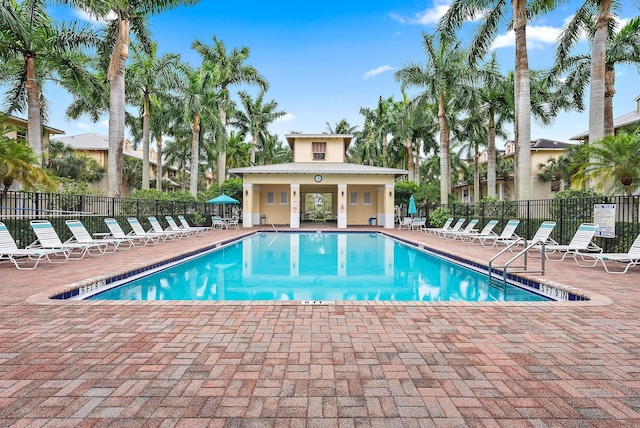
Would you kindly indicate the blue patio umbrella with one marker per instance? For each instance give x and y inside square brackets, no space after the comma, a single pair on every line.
[412,206]
[223,200]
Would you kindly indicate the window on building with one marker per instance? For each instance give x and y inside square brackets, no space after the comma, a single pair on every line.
[353,200]
[366,198]
[284,198]
[270,198]
[22,134]
[319,150]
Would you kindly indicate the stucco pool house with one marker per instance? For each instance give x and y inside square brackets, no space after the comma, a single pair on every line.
[354,194]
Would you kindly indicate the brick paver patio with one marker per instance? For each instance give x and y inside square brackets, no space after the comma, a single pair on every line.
[349,364]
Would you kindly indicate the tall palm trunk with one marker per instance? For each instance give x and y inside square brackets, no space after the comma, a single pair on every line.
[254,142]
[609,92]
[116,108]
[523,103]
[159,163]
[598,60]
[34,125]
[445,161]
[410,164]
[476,176]
[384,150]
[222,152]
[145,144]
[417,163]
[195,152]
[491,156]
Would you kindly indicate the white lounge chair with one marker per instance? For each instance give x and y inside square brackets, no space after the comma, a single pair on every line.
[624,260]
[81,235]
[138,231]
[173,226]
[507,234]
[542,235]
[157,228]
[581,242]
[186,226]
[487,230]
[455,228]
[137,241]
[433,230]
[467,229]
[9,251]
[48,238]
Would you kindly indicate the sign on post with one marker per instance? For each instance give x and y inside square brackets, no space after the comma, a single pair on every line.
[604,215]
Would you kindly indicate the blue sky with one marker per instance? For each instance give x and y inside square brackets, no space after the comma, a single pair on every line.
[325,60]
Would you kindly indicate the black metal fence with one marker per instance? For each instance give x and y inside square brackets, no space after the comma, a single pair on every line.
[567,213]
[17,209]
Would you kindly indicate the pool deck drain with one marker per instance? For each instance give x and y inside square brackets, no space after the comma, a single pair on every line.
[78,363]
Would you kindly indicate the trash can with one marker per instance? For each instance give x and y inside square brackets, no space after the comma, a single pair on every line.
[263,219]
[372,221]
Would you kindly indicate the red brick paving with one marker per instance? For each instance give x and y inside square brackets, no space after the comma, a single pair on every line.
[348,364]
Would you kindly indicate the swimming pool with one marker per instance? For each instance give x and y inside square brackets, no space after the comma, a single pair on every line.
[317,267]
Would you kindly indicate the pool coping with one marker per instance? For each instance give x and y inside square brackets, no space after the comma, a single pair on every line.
[89,284]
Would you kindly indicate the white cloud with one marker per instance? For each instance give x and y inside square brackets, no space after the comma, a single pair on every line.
[104,124]
[286,118]
[83,126]
[89,17]
[426,17]
[538,36]
[377,71]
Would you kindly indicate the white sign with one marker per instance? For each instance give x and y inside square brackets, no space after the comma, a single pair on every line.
[604,215]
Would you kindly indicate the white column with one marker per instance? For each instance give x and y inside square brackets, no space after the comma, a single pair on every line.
[247,205]
[342,206]
[388,206]
[294,196]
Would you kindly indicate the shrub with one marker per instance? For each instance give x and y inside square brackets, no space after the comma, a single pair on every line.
[438,217]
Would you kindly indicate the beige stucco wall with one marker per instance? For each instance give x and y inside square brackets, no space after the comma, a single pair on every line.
[277,212]
[304,149]
[359,213]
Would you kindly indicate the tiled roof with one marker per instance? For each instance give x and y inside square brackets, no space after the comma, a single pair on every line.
[318,167]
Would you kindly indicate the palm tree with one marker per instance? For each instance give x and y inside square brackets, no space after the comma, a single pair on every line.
[341,127]
[130,16]
[255,118]
[617,158]
[238,151]
[227,69]
[493,12]
[274,150]
[440,78]
[622,47]
[192,93]
[381,119]
[556,170]
[33,49]
[504,172]
[149,77]
[18,162]
[178,151]
[474,130]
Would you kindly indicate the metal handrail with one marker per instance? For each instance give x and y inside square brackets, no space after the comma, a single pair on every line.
[524,267]
[272,225]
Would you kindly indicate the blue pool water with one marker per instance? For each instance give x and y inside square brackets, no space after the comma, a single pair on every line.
[317,266]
